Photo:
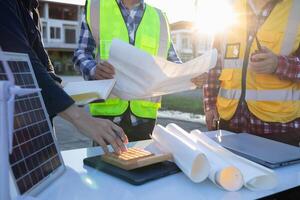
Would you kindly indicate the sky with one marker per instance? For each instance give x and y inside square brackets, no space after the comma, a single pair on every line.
[176,10]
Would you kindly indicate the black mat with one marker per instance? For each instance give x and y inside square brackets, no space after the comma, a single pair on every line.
[137,176]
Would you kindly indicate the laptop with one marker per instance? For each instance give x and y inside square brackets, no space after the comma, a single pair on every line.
[269,153]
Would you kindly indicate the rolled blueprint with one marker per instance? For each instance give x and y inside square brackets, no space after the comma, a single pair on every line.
[222,173]
[188,158]
[256,177]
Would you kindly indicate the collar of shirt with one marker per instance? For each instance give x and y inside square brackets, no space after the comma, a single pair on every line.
[139,5]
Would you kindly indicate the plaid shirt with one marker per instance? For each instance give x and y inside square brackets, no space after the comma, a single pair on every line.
[84,55]
[243,120]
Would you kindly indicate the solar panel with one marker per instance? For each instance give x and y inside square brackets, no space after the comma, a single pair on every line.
[35,160]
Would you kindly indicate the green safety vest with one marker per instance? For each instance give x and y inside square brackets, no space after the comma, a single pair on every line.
[153,36]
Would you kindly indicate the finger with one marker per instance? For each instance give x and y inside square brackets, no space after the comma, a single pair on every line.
[103,145]
[105,75]
[119,131]
[264,71]
[109,66]
[99,77]
[118,140]
[260,64]
[108,70]
[261,56]
[265,49]
[121,145]
[111,140]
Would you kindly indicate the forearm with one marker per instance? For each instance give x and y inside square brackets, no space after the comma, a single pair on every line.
[288,68]
[84,58]
[72,114]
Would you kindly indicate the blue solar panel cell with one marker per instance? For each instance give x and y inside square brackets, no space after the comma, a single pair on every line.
[35,155]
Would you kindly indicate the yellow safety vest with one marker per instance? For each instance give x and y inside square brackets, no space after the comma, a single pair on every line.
[153,36]
[268,97]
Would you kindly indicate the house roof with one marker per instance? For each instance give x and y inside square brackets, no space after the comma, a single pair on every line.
[72,2]
[181,25]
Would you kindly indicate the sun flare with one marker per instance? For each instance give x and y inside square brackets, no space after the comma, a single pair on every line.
[214,16]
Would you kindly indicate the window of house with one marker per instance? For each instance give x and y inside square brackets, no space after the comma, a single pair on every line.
[185,43]
[55,33]
[41,9]
[63,11]
[44,31]
[70,35]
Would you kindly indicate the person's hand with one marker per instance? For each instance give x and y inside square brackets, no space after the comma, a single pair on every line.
[100,130]
[200,80]
[211,116]
[104,70]
[263,62]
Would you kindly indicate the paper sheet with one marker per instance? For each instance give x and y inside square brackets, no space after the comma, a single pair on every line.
[256,177]
[188,158]
[222,173]
[140,75]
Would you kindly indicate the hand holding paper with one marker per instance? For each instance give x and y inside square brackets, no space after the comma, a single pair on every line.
[140,75]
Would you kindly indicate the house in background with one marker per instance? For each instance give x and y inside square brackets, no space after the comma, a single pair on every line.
[60,30]
[188,41]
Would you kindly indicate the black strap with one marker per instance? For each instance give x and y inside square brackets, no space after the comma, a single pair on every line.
[260,20]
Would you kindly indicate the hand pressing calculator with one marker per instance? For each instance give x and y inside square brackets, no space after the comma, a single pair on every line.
[136,166]
[134,158]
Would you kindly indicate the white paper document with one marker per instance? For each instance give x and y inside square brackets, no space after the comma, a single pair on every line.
[192,162]
[84,92]
[224,168]
[222,173]
[140,75]
[256,177]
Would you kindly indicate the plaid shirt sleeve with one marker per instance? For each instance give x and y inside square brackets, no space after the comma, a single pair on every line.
[288,68]
[84,54]
[212,85]
[211,88]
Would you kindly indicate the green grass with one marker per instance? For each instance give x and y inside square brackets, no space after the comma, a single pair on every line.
[183,104]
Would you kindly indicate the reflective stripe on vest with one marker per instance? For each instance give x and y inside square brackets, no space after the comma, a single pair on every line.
[268,97]
[111,107]
[148,108]
[292,29]
[93,22]
[164,35]
[233,63]
[262,95]
[152,36]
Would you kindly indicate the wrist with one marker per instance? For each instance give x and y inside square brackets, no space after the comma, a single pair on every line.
[209,106]
[72,113]
[281,67]
[276,64]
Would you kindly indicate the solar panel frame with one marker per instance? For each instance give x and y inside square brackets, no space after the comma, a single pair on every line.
[42,184]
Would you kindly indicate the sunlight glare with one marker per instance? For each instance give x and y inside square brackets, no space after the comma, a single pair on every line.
[214,16]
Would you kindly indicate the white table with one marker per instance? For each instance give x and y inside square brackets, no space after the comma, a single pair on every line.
[83,183]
